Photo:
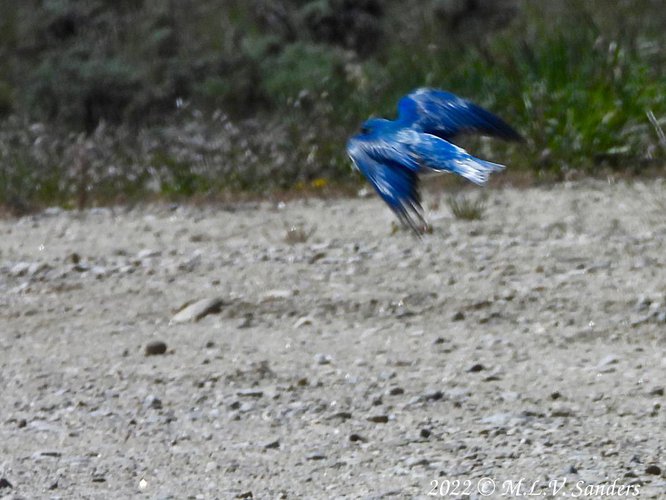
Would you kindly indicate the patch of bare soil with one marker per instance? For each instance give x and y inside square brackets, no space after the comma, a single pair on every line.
[308,351]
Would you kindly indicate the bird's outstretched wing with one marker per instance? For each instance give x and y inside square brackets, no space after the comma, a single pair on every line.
[446,115]
[392,171]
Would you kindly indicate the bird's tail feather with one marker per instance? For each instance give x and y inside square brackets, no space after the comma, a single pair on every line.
[438,154]
[474,169]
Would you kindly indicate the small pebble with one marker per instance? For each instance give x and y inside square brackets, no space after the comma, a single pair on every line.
[562,411]
[153,402]
[323,359]
[653,469]
[416,461]
[247,406]
[611,359]
[342,415]
[250,393]
[155,348]
[378,419]
[476,368]
[433,396]
[20,269]
[355,438]
[303,321]
[197,310]
[147,253]
[247,320]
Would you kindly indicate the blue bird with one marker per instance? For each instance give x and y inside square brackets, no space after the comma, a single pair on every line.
[392,154]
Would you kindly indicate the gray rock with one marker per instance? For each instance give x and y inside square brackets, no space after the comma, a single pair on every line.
[433,395]
[611,359]
[37,268]
[303,321]
[323,359]
[315,455]
[458,316]
[498,419]
[98,271]
[250,393]
[247,321]
[147,253]
[657,391]
[277,295]
[152,402]
[653,469]
[643,303]
[81,267]
[247,406]
[20,269]
[342,415]
[562,411]
[155,347]
[197,310]
[416,461]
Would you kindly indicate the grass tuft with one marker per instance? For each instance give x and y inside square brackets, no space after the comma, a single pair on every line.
[465,208]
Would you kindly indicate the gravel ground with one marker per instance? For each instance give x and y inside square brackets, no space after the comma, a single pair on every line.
[212,352]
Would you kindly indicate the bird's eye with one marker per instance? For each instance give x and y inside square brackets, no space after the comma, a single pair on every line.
[365,130]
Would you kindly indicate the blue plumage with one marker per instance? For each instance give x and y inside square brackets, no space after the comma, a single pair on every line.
[446,115]
[391,154]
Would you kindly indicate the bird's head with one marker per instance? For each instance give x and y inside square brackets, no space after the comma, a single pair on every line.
[373,125]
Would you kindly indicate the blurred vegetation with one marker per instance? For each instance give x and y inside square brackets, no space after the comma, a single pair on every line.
[105,100]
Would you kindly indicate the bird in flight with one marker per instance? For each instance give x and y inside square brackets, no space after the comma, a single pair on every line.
[392,153]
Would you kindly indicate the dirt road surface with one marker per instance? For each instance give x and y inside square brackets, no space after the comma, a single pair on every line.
[339,359]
